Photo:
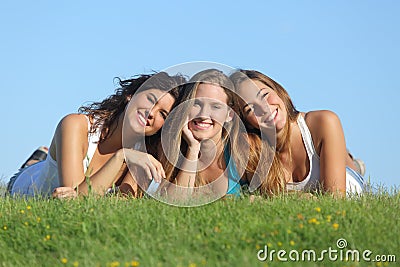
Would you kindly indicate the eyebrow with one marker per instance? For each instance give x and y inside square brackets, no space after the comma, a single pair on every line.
[156,101]
[257,95]
[264,88]
[154,97]
[218,103]
[245,106]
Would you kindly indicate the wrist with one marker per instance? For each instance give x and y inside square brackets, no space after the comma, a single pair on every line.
[193,152]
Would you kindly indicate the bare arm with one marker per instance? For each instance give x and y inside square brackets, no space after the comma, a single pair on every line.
[71,144]
[71,147]
[329,138]
[184,181]
[186,177]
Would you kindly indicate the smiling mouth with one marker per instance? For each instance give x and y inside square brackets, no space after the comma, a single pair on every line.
[201,125]
[272,117]
[143,121]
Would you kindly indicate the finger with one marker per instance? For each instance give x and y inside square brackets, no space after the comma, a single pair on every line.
[59,191]
[59,194]
[154,172]
[160,170]
[158,166]
[148,172]
[163,173]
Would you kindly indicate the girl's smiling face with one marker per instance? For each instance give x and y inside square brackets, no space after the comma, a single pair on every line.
[261,105]
[209,112]
[148,111]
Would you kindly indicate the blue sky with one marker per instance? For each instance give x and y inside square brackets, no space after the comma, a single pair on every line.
[337,55]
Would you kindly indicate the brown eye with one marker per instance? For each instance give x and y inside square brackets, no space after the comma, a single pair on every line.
[164,114]
[249,109]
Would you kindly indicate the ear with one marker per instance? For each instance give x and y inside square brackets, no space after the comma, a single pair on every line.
[229,118]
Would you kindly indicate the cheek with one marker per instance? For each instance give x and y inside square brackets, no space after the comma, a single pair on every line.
[274,98]
[252,120]
[219,116]
[158,123]
[194,111]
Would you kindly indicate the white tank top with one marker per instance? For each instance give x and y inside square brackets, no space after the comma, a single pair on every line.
[42,177]
[354,181]
[311,182]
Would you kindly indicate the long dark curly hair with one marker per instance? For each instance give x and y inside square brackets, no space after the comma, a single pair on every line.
[107,112]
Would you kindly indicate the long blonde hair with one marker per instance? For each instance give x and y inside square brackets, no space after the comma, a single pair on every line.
[272,179]
[172,157]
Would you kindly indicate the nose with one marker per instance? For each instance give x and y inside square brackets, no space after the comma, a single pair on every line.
[204,112]
[149,114]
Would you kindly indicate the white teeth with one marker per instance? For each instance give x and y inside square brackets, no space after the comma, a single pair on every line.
[272,116]
[203,124]
[142,119]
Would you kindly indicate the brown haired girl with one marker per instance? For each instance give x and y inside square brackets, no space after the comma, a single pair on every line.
[310,147]
[90,144]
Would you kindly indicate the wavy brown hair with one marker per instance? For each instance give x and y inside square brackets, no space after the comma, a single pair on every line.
[105,114]
[272,180]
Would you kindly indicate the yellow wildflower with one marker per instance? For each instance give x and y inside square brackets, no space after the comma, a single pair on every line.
[335,226]
[291,243]
[318,209]
[114,264]
[64,260]
[313,220]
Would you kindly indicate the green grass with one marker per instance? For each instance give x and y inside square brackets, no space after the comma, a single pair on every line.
[129,232]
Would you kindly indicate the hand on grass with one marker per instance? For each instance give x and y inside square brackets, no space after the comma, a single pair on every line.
[64,192]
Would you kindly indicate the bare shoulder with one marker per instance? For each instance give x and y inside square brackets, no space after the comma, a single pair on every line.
[73,123]
[323,125]
[322,119]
